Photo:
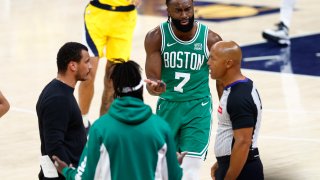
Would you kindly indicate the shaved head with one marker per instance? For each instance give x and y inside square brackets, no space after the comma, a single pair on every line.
[229,50]
[225,61]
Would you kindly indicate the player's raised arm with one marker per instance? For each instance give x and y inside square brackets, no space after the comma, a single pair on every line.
[152,46]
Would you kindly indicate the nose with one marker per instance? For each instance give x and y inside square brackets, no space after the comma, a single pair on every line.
[90,65]
[184,15]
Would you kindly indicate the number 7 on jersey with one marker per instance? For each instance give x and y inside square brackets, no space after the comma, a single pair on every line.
[186,78]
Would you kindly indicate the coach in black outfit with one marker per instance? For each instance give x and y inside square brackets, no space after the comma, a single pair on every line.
[62,132]
[239,115]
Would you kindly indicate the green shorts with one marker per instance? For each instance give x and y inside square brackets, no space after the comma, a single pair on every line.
[190,122]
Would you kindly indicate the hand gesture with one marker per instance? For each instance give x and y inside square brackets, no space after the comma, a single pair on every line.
[155,87]
[213,170]
[59,164]
[180,156]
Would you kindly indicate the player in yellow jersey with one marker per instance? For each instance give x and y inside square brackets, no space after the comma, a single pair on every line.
[109,26]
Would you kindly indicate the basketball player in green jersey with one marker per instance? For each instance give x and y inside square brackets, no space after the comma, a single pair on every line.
[177,71]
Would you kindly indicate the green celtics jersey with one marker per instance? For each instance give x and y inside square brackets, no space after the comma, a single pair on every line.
[184,64]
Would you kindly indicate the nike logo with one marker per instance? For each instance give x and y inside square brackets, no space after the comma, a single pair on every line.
[204,103]
[168,45]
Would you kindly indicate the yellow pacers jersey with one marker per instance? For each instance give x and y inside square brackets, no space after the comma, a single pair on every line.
[115,2]
[109,33]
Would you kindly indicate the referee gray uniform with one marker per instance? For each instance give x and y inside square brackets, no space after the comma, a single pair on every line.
[240,107]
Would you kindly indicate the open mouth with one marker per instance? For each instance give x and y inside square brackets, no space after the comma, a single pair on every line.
[184,22]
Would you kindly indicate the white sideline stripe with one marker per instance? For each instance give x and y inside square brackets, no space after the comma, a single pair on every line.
[291,139]
[291,37]
[261,58]
[23,110]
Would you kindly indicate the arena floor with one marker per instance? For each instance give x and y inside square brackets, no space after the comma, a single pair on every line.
[32,31]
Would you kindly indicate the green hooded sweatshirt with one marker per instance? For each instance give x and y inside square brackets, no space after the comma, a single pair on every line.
[129,142]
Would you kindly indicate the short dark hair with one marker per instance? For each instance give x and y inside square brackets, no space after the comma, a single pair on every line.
[70,51]
[126,75]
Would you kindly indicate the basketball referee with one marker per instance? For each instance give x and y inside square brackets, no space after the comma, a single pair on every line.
[239,115]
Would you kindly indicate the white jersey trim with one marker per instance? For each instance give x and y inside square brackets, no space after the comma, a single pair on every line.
[162,167]
[103,171]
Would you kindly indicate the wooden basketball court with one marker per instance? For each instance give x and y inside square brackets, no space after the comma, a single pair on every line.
[32,31]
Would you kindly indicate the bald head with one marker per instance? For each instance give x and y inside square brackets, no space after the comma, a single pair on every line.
[228,50]
[225,61]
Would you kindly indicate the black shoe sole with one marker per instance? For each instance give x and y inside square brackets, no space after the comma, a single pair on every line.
[273,39]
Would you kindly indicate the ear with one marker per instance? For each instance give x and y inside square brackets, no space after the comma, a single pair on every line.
[229,63]
[73,66]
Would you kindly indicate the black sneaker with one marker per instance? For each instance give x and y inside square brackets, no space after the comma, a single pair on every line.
[279,35]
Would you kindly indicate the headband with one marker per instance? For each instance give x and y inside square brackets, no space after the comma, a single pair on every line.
[130,89]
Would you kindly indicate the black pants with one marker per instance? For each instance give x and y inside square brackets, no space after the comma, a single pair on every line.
[41,177]
[252,170]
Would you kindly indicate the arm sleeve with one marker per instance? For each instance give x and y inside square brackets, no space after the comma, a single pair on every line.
[241,110]
[174,169]
[55,123]
[72,173]
[91,162]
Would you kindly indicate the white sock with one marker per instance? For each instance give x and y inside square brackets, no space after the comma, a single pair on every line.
[286,11]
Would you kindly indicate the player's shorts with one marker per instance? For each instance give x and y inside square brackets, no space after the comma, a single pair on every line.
[190,122]
[109,33]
